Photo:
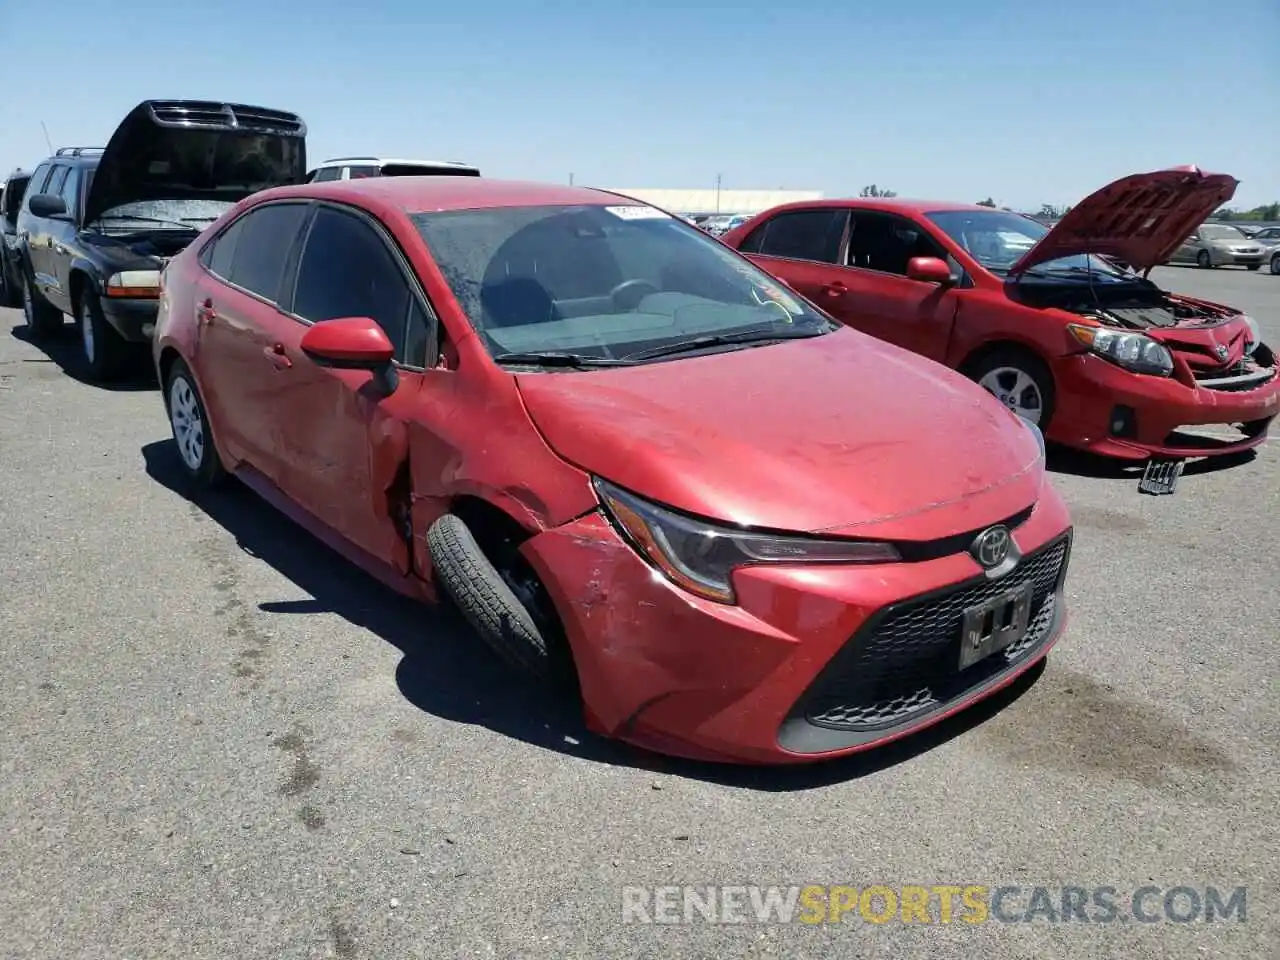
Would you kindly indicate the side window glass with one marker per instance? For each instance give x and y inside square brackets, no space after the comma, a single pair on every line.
[754,240]
[327,173]
[56,181]
[418,335]
[263,246]
[71,189]
[13,193]
[887,243]
[804,235]
[361,173]
[347,271]
[38,180]
[224,250]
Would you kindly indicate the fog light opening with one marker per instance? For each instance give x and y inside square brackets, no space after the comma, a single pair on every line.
[1124,422]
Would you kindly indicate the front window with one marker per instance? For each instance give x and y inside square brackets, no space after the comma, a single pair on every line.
[1221,231]
[605,282]
[998,239]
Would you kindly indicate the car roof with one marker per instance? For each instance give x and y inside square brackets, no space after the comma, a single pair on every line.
[433,194]
[386,161]
[887,204]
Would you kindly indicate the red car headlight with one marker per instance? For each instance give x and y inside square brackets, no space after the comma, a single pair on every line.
[700,556]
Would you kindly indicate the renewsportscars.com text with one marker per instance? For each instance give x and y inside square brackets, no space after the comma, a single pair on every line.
[942,903]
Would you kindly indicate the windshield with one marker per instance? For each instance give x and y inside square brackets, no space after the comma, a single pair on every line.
[1220,231]
[163,215]
[603,281]
[997,239]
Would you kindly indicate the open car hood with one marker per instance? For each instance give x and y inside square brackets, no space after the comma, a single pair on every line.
[197,149]
[1140,219]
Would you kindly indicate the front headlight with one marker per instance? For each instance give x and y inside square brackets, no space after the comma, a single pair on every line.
[134,284]
[700,556]
[1133,351]
[1253,337]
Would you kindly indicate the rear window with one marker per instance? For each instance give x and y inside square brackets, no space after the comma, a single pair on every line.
[419,170]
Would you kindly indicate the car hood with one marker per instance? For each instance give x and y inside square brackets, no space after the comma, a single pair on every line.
[842,434]
[195,149]
[1140,219]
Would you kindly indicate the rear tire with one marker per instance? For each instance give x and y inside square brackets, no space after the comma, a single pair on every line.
[1252,266]
[44,320]
[192,435]
[1203,260]
[103,351]
[1275,264]
[485,598]
[1018,379]
[10,295]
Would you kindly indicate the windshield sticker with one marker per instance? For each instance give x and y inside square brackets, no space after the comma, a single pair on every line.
[634,212]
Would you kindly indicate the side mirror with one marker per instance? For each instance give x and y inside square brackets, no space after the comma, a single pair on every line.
[48,205]
[929,270]
[352,343]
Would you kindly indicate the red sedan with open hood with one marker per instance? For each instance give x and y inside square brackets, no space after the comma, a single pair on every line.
[1096,355]
[737,529]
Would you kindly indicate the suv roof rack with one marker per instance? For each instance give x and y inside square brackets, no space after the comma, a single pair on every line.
[78,151]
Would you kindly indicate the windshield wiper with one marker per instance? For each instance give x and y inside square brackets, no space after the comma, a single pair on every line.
[555,359]
[756,337]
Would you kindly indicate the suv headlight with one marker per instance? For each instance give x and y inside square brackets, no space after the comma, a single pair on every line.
[1253,337]
[1133,351]
[700,556]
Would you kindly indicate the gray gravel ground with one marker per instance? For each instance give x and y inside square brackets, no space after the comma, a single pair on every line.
[218,740]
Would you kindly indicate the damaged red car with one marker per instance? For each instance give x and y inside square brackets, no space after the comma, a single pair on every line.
[736,529]
[1046,319]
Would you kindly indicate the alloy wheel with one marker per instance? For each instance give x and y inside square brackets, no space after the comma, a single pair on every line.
[1017,390]
[187,423]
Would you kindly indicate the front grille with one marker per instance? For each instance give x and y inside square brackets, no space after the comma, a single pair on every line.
[904,661]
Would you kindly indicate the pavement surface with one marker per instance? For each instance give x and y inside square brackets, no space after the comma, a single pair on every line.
[219,740]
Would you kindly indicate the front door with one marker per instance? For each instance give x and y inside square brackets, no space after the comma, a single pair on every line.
[345,441]
[875,294]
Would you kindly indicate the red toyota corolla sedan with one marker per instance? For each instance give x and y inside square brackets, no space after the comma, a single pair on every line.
[632,459]
[1096,355]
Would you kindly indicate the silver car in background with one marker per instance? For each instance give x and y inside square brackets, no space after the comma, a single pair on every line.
[1219,245]
[1269,237]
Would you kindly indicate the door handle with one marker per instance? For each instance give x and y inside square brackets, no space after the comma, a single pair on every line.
[205,313]
[834,289]
[275,353]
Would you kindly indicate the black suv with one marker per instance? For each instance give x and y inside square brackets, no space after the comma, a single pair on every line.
[10,269]
[97,226]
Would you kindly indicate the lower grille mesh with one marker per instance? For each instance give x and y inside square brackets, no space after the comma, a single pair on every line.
[905,662]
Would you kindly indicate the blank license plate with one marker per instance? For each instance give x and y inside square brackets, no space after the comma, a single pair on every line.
[996,624]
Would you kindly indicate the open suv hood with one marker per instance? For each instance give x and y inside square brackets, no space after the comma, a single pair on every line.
[1140,219]
[197,149]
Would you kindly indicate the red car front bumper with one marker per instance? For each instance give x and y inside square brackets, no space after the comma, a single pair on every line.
[812,663]
[1094,397]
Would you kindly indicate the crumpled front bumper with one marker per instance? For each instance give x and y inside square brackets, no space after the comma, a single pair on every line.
[669,671]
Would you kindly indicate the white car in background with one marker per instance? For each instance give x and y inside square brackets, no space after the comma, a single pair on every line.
[357,168]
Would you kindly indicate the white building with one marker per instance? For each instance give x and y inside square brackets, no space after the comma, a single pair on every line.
[717,201]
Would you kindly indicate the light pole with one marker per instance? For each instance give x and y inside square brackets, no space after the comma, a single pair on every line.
[717,193]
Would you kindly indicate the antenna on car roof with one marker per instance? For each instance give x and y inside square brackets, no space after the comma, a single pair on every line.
[48,142]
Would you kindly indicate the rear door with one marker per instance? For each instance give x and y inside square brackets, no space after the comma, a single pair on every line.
[239,323]
[801,247]
[40,237]
[345,442]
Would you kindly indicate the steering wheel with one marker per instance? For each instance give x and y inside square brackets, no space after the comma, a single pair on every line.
[627,295]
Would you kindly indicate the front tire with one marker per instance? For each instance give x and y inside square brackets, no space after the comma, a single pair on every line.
[44,320]
[1020,380]
[1203,260]
[1252,266]
[102,350]
[189,421]
[485,598]
[1275,265]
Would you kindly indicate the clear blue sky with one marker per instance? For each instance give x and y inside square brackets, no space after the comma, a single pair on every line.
[1027,102]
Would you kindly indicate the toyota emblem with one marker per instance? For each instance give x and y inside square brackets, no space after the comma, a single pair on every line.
[1221,351]
[991,547]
